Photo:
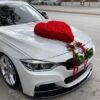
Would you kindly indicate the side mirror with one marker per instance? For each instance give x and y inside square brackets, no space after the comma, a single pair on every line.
[44,14]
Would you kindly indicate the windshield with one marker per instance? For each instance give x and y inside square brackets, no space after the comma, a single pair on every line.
[18,14]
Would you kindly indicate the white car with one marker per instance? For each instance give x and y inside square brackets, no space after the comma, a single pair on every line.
[36,64]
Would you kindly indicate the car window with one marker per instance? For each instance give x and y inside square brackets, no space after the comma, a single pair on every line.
[18,14]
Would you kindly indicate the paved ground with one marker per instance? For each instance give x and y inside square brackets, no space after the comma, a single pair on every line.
[70,9]
[89,91]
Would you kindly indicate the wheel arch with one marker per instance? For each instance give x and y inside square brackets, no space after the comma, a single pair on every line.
[6,54]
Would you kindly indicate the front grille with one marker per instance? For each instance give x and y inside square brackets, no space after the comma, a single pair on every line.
[68,64]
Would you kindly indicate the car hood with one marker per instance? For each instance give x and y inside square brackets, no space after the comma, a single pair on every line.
[22,36]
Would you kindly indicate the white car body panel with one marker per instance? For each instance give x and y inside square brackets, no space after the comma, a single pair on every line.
[23,37]
[31,46]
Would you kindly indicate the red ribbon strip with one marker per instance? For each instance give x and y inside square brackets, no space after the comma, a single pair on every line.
[75,67]
[79,44]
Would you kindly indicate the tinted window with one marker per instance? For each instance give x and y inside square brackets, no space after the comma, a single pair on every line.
[18,14]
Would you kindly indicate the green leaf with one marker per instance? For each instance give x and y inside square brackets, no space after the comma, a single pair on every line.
[80,59]
[89,53]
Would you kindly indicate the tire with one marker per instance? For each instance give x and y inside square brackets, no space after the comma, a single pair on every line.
[9,72]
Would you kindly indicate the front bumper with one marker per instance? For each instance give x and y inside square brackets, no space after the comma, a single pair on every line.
[50,90]
[51,83]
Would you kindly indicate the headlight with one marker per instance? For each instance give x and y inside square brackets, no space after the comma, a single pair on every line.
[35,65]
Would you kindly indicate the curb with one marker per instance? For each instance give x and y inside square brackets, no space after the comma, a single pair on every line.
[73,12]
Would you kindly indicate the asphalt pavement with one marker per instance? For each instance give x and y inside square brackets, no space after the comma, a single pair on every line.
[90,25]
[70,9]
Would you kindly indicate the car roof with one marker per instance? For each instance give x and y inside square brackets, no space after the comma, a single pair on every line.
[12,2]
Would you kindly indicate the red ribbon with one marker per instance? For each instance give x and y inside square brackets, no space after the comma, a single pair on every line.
[75,67]
[79,44]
